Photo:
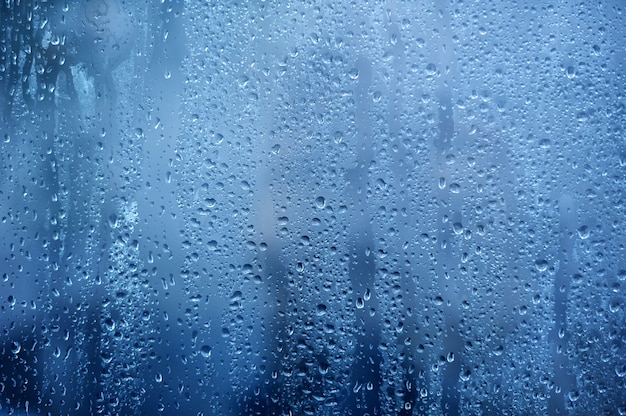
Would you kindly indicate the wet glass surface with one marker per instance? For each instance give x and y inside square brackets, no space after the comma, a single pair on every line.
[312,208]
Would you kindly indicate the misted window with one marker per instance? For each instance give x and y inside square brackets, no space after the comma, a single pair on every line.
[312,207]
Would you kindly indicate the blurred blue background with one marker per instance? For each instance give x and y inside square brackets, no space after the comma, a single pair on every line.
[312,207]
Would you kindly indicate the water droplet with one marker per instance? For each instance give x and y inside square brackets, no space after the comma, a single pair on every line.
[614,306]
[465,375]
[236,296]
[498,350]
[113,221]
[321,309]
[573,395]
[541,265]
[544,143]
[243,81]
[205,350]
[106,356]
[109,324]
[431,69]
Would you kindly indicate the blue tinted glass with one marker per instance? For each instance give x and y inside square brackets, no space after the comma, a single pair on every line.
[312,207]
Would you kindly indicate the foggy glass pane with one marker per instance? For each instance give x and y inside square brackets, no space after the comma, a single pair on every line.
[312,207]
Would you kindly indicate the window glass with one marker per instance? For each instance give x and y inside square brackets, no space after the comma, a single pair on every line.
[312,207]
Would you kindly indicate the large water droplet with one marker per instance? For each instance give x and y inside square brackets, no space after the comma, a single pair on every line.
[541,265]
[205,350]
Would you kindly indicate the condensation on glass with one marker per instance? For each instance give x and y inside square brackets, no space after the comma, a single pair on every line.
[312,208]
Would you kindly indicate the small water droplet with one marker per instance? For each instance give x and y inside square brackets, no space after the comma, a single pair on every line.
[573,395]
[431,69]
[109,324]
[544,143]
[113,221]
[321,309]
